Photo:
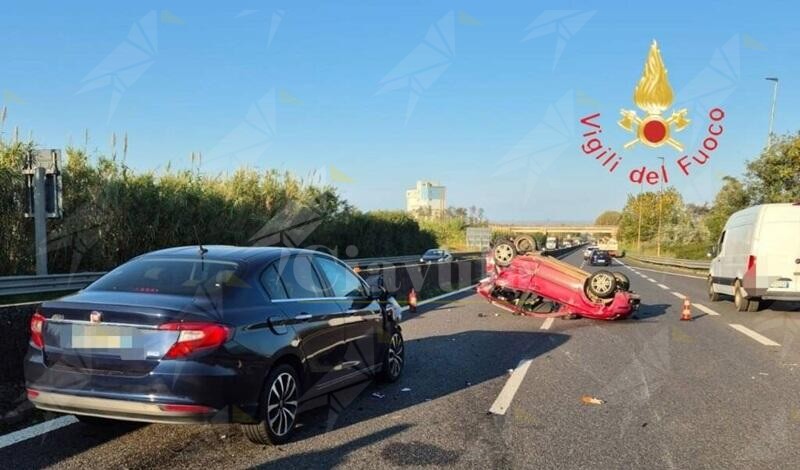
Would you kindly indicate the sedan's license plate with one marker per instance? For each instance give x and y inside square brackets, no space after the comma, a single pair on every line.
[101,337]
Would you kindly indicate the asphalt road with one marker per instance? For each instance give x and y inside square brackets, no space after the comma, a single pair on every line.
[676,395]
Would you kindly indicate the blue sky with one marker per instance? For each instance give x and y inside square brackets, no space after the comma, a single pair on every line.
[473,95]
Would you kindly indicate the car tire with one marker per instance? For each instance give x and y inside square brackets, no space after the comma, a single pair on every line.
[741,302]
[281,388]
[525,244]
[602,284]
[713,295]
[753,305]
[504,253]
[623,283]
[394,358]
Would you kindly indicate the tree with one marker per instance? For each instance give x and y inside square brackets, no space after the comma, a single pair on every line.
[775,175]
[608,218]
[731,197]
[673,214]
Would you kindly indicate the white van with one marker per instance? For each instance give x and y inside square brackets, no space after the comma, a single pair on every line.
[758,256]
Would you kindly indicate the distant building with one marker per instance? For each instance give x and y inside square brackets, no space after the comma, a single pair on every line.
[426,195]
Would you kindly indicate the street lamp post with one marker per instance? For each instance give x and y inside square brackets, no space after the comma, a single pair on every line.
[660,198]
[774,80]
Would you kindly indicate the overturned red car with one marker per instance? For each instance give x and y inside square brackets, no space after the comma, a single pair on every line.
[542,286]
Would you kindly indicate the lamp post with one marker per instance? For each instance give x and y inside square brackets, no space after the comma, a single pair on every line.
[660,198]
[774,80]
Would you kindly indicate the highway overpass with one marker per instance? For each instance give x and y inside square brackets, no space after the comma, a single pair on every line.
[576,229]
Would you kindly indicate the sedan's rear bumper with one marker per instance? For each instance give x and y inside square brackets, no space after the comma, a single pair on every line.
[121,409]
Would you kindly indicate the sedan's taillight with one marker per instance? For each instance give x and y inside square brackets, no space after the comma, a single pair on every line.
[195,336]
[37,326]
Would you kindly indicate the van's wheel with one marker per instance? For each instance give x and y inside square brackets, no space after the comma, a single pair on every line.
[712,294]
[623,283]
[279,403]
[394,358]
[601,284]
[504,252]
[742,303]
[525,244]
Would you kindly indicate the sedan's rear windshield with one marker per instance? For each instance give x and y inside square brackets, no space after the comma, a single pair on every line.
[172,276]
[434,253]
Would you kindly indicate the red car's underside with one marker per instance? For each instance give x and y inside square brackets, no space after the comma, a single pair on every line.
[542,286]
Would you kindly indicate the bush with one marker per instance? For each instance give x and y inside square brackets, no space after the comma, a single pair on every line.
[112,214]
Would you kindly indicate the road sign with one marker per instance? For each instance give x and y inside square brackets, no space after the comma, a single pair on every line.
[479,237]
[50,161]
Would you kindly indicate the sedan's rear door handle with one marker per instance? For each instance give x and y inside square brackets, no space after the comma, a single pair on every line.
[303,317]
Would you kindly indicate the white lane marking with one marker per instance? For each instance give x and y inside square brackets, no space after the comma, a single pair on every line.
[503,401]
[651,280]
[548,322]
[752,334]
[36,430]
[663,286]
[674,274]
[705,309]
[678,295]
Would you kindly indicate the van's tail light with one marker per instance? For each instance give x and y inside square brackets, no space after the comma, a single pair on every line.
[37,327]
[195,336]
[751,263]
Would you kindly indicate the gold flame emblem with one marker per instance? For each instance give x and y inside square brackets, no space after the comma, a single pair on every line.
[653,95]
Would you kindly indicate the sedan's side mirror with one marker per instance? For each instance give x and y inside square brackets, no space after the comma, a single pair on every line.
[376,292]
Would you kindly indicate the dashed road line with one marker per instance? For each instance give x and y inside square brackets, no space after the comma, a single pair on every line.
[548,322]
[673,274]
[651,279]
[663,286]
[752,334]
[503,401]
[705,309]
[678,295]
[36,430]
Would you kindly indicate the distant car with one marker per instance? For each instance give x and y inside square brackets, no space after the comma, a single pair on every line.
[600,258]
[216,334]
[526,284]
[587,253]
[436,255]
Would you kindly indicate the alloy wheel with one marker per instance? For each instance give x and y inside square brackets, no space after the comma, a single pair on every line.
[282,404]
[396,355]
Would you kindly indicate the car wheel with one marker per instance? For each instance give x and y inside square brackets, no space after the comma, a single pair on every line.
[753,305]
[623,283]
[280,400]
[504,252]
[739,300]
[394,358]
[525,244]
[712,294]
[602,284]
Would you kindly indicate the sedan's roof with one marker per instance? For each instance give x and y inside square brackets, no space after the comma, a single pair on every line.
[227,252]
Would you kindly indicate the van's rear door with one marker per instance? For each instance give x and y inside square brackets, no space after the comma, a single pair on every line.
[779,249]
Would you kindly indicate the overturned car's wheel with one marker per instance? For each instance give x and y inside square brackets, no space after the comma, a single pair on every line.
[504,252]
[623,283]
[601,284]
[525,244]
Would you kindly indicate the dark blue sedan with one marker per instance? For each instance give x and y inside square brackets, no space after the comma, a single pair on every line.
[222,334]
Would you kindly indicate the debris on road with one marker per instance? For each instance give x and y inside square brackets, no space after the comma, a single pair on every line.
[379,396]
[590,400]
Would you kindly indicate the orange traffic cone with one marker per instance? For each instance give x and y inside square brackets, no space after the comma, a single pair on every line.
[412,301]
[686,314]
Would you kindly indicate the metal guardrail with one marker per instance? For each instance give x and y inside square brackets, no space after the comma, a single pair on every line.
[673,262]
[24,285]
